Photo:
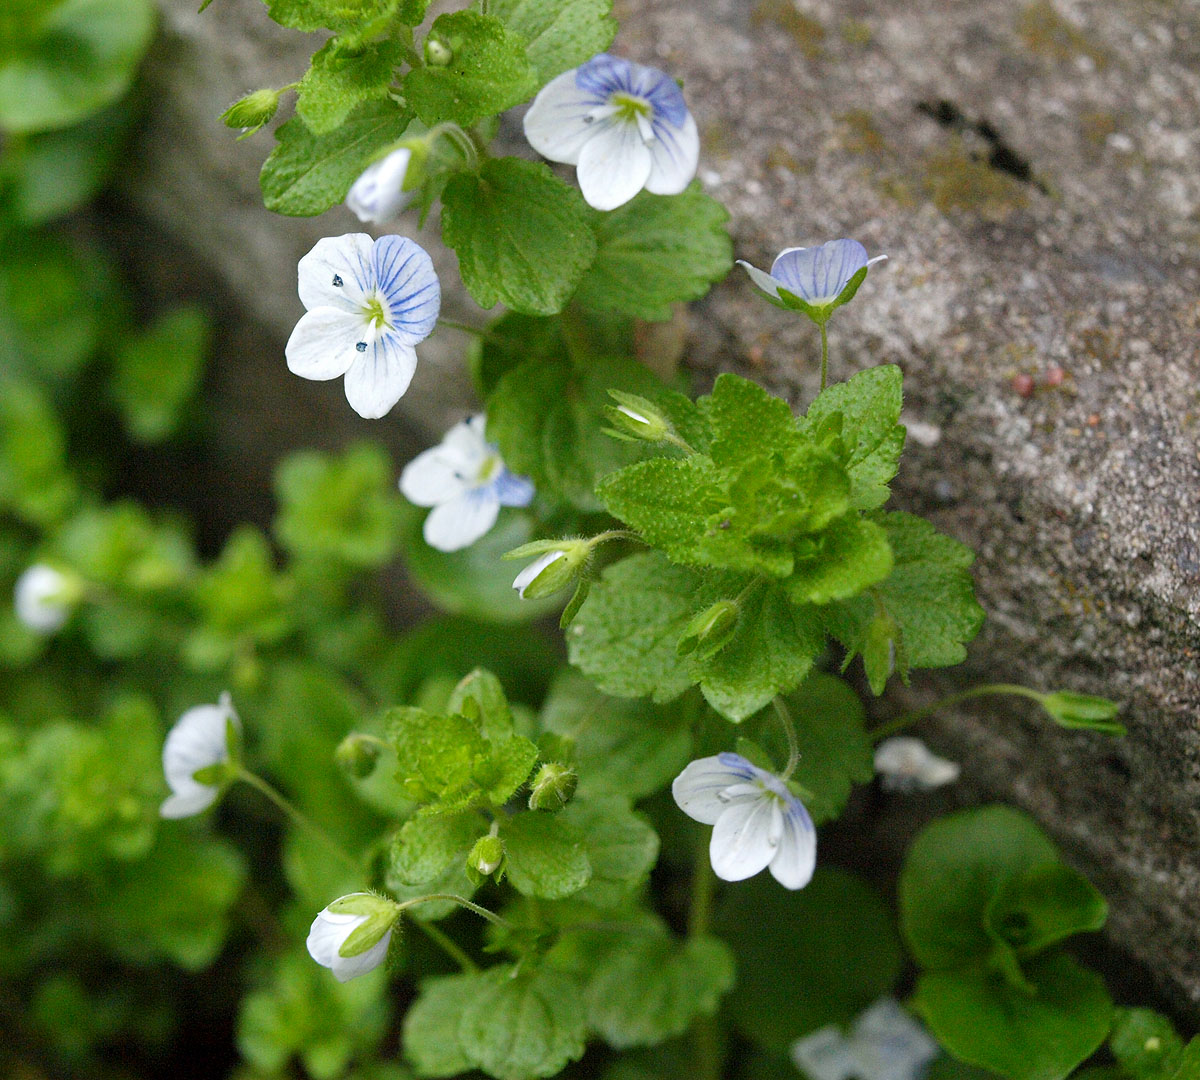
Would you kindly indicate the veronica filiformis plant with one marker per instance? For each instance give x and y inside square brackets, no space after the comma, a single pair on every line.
[199,757]
[369,302]
[623,125]
[465,481]
[351,935]
[757,822]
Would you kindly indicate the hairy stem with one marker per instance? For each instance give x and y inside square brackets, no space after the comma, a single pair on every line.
[447,944]
[793,744]
[462,901]
[300,818]
[824,356]
[907,719]
[706,1041]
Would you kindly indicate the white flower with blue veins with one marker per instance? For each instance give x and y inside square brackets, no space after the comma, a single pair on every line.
[465,481]
[757,822]
[623,126]
[820,278]
[369,302]
[203,737]
[379,194]
[885,1043]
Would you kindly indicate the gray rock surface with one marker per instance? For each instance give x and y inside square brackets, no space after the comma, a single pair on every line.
[1033,172]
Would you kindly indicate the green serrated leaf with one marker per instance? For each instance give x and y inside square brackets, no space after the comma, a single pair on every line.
[341,16]
[307,173]
[621,847]
[339,81]
[488,72]
[545,855]
[871,435]
[426,847]
[521,235]
[1042,1035]
[846,559]
[747,422]
[653,987]
[510,341]
[431,1025]
[521,1025]
[930,596]
[435,755]
[657,251]
[809,958]
[559,34]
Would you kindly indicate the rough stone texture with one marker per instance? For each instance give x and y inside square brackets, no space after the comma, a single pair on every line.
[879,119]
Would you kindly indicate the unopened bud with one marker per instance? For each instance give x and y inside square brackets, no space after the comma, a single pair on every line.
[437,52]
[710,630]
[636,419]
[552,787]
[486,856]
[253,111]
[879,651]
[388,185]
[1085,711]
[358,754]
[558,564]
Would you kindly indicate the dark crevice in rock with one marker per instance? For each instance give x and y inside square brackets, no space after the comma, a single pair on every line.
[1001,157]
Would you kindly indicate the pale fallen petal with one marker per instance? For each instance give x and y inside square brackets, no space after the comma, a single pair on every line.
[337,272]
[379,376]
[458,523]
[614,165]
[323,344]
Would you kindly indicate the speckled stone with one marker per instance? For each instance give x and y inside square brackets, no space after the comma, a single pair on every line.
[885,120]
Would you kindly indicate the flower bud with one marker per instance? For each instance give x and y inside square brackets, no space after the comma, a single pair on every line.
[1085,711]
[437,52]
[552,787]
[44,597]
[357,754]
[710,630]
[636,419]
[879,651]
[558,564]
[486,856]
[252,112]
[351,936]
[388,185]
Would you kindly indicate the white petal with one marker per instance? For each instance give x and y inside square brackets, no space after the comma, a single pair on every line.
[675,153]
[38,598]
[746,837]
[907,764]
[557,124]
[337,258]
[888,1044]
[824,1055]
[434,476]
[323,343]
[697,789]
[796,858]
[378,195]
[408,286]
[461,521]
[194,801]
[378,378]
[614,165]
[511,489]
[327,934]
[350,967]
[761,278]
[522,581]
[197,741]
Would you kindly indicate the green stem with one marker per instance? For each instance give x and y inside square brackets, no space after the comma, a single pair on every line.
[908,718]
[676,440]
[301,819]
[462,901]
[789,728]
[465,327]
[447,944]
[824,355]
[615,534]
[706,1040]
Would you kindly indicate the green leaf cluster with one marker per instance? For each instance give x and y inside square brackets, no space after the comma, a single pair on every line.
[985,903]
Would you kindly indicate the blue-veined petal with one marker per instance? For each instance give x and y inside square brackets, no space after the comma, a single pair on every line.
[662,92]
[746,837]
[559,121]
[614,164]
[337,272]
[796,858]
[697,789]
[511,489]
[819,274]
[433,476]
[323,344]
[674,153]
[379,376]
[604,75]
[459,522]
[408,286]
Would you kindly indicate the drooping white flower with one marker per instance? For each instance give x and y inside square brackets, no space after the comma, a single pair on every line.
[379,194]
[351,935]
[757,822]
[369,302]
[623,125]
[44,598]
[885,1043]
[907,764]
[534,570]
[199,740]
[466,482]
[822,278]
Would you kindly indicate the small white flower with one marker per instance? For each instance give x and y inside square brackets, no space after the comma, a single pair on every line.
[624,126]
[369,302]
[526,577]
[466,482]
[907,764]
[199,740]
[328,938]
[379,194]
[885,1043]
[757,822]
[44,598]
[819,276]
